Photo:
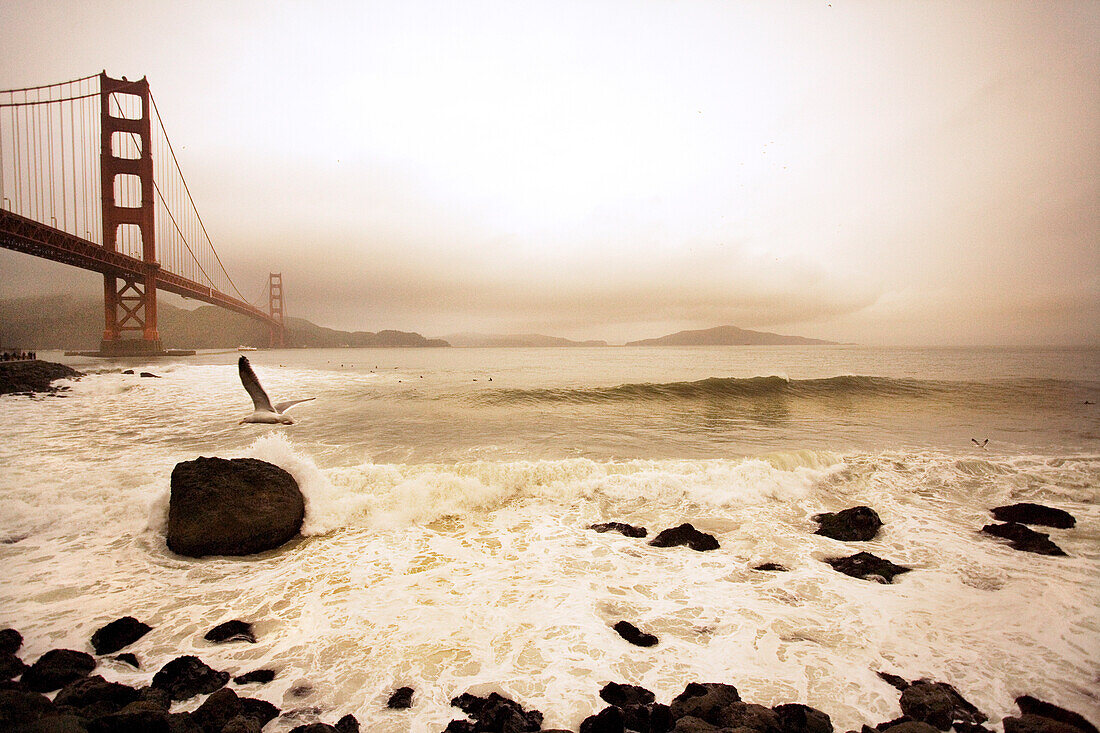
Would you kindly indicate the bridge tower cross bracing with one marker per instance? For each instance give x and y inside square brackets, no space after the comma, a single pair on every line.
[131,305]
[275,309]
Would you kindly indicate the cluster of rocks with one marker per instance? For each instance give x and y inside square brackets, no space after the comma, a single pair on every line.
[30,377]
[1015,517]
[711,707]
[87,703]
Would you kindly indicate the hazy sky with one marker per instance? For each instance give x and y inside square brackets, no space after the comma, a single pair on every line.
[884,172]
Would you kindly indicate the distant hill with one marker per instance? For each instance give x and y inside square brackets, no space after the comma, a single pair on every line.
[69,322]
[728,336]
[511,340]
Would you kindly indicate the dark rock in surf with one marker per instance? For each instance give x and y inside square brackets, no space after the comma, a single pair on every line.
[608,720]
[10,641]
[929,703]
[57,668]
[21,708]
[400,699]
[908,726]
[118,634]
[858,524]
[217,710]
[127,371]
[704,701]
[867,566]
[232,507]
[11,666]
[1028,513]
[634,635]
[235,630]
[1036,712]
[898,683]
[691,724]
[128,658]
[150,375]
[628,530]
[95,693]
[1024,538]
[685,534]
[32,376]
[796,718]
[314,728]
[241,724]
[185,677]
[260,710]
[347,724]
[262,676]
[497,713]
[622,695]
[772,567]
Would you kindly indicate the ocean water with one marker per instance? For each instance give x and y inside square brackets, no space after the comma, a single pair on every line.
[449,493]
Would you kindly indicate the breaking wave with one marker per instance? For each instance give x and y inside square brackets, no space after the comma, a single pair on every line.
[845,386]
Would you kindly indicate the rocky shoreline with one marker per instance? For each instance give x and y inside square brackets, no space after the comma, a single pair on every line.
[83,702]
[87,703]
[33,376]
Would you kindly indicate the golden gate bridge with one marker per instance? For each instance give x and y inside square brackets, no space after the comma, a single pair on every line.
[87,179]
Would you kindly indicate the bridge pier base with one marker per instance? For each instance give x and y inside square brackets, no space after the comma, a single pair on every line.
[131,347]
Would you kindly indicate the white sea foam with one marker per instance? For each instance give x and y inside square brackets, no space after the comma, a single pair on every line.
[480,573]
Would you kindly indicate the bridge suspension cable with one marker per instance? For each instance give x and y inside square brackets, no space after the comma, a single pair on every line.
[50,143]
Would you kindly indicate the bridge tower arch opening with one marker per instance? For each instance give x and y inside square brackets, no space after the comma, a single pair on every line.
[130,301]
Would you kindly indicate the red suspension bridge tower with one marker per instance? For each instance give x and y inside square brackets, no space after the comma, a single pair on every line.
[133,220]
[136,300]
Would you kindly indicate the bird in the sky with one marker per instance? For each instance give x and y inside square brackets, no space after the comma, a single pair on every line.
[264,411]
[972,440]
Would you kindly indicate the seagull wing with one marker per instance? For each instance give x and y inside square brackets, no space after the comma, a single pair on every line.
[972,440]
[252,385]
[282,407]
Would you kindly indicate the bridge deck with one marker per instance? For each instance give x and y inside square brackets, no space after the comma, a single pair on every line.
[25,235]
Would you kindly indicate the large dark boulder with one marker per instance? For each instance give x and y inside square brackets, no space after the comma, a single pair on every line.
[185,677]
[859,523]
[497,713]
[704,701]
[1028,513]
[622,528]
[867,566]
[57,668]
[232,507]
[118,634]
[1024,538]
[685,534]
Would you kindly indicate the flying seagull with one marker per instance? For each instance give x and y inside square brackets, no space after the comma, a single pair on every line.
[972,440]
[265,412]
